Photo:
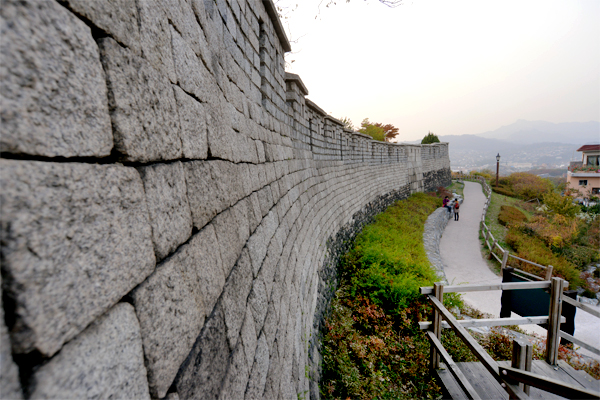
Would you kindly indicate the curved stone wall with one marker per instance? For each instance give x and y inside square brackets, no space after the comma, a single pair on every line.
[173,208]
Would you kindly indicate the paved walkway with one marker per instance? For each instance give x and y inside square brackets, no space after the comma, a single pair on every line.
[463,264]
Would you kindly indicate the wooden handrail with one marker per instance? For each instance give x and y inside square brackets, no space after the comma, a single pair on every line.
[461,379]
[527,261]
[581,305]
[548,384]
[485,287]
[474,323]
[488,362]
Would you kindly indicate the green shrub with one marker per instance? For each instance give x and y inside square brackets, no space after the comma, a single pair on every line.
[372,344]
[528,186]
[595,209]
[504,190]
[581,256]
[430,138]
[562,205]
[511,216]
[535,250]
[390,263]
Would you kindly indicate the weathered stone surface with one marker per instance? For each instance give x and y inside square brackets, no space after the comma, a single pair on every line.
[172,396]
[10,387]
[155,36]
[52,87]
[76,238]
[168,208]
[192,118]
[105,361]
[258,376]
[172,304]
[213,186]
[258,302]
[232,231]
[192,75]
[118,18]
[236,379]
[202,374]
[258,242]
[142,106]
[249,338]
[235,296]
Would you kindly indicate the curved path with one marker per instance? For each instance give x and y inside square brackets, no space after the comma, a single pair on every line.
[463,264]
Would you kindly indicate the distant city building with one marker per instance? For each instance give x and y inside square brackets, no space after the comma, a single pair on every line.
[584,175]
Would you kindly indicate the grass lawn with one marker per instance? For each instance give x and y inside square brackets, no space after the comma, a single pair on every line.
[457,187]
[491,218]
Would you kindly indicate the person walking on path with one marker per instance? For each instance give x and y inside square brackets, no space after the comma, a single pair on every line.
[456,207]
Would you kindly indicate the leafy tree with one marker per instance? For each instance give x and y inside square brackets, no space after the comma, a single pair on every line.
[347,123]
[390,131]
[529,186]
[562,205]
[376,132]
[430,138]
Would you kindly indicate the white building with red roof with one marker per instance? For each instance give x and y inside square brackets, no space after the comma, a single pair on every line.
[584,175]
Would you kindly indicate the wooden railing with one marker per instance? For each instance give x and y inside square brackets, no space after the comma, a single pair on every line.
[496,251]
[509,378]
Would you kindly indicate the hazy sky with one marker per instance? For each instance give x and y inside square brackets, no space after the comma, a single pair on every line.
[451,67]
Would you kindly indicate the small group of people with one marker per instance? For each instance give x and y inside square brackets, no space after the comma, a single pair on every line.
[455,205]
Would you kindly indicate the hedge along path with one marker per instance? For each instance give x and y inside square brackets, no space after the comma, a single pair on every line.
[460,250]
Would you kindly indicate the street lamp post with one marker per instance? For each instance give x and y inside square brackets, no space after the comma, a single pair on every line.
[497,167]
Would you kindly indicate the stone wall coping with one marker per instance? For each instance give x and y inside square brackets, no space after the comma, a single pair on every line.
[272,11]
[296,78]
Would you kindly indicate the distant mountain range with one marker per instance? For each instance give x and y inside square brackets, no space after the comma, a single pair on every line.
[523,145]
[530,132]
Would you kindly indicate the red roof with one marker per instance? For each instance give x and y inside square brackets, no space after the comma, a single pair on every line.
[589,147]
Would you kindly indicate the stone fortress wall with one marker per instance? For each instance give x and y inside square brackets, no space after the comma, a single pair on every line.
[173,207]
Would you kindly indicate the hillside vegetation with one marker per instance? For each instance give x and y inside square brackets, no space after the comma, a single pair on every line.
[372,345]
[533,221]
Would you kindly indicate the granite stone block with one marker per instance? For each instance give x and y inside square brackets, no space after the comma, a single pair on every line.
[258,304]
[192,75]
[10,386]
[104,361]
[249,338]
[168,208]
[192,119]
[118,18]
[235,296]
[258,242]
[202,374]
[76,238]
[172,304]
[155,36]
[236,380]
[142,106]
[213,186]
[258,375]
[232,231]
[52,86]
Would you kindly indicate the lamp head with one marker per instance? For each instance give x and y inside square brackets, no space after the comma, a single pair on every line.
[498,157]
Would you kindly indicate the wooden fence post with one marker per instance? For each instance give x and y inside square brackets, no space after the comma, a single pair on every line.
[438,291]
[549,272]
[522,354]
[504,259]
[553,338]
[492,248]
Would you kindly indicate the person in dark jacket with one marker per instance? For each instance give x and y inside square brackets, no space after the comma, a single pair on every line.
[446,203]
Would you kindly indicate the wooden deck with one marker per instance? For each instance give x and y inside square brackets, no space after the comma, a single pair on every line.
[488,388]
